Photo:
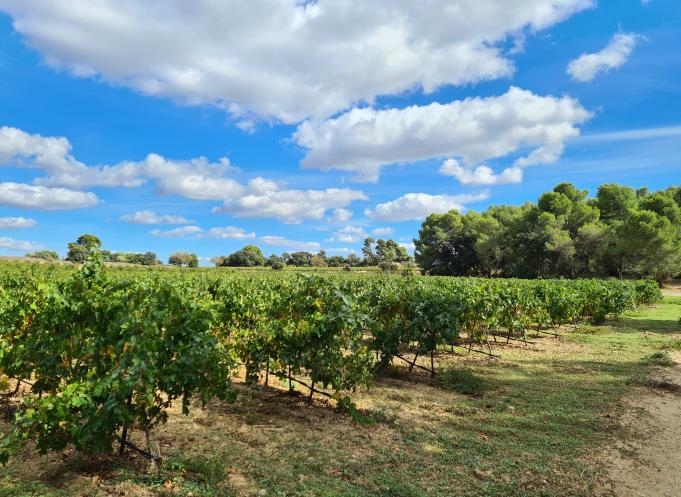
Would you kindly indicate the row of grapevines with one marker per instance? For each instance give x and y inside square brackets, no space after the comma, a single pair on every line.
[107,350]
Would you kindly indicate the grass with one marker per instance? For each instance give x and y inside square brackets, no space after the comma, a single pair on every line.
[530,424]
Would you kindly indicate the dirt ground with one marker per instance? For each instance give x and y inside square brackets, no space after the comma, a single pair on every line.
[647,463]
[672,289]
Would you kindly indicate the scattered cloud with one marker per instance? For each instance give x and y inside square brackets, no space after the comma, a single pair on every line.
[588,65]
[481,175]
[8,243]
[288,206]
[280,241]
[340,216]
[25,196]
[348,234]
[181,232]
[245,58]
[474,130]
[382,231]
[418,206]
[195,179]
[231,232]
[150,217]
[16,223]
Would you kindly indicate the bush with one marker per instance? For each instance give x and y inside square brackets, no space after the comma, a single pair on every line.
[48,255]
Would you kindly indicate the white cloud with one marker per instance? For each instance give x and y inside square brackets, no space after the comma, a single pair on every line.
[340,216]
[481,175]
[588,65]
[280,241]
[288,206]
[474,130]
[42,198]
[245,57]
[16,222]
[382,231]
[348,234]
[231,232]
[178,232]
[196,179]
[150,217]
[418,206]
[8,243]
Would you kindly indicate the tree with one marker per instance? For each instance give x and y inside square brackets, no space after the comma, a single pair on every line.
[368,251]
[647,245]
[615,201]
[300,259]
[275,260]
[352,260]
[336,261]
[318,261]
[249,256]
[555,203]
[48,255]
[621,232]
[591,245]
[80,250]
[183,259]
[444,246]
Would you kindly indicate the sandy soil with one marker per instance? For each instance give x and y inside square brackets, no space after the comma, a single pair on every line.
[647,463]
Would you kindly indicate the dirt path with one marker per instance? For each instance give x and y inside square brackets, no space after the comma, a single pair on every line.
[672,289]
[647,463]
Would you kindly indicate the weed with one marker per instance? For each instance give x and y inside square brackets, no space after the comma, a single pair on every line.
[463,381]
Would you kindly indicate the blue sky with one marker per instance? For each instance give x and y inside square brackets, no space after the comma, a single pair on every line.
[332,122]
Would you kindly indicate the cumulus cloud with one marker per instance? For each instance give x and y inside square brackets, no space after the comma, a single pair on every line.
[245,57]
[473,130]
[150,217]
[42,198]
[16,223]
[340,216]
[348,234]
[288,206]
[588,65]
[280,241]
[231,232]
[8,243]
[196,179]
[481,175]
[181,232]
[382,231]
[418,206]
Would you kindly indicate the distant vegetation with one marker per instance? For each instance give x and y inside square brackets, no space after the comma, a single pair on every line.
[48,255]
[621,232]
[80,250]
[387,254]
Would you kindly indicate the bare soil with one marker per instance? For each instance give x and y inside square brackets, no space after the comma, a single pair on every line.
[672,288]
[647,462]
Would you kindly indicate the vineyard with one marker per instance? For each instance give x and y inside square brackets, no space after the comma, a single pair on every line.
[99,351]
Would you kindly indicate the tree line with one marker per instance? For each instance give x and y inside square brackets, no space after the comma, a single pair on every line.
[387,254]
[80,250]
[621,232]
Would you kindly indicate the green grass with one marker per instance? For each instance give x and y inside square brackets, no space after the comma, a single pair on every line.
[530,424]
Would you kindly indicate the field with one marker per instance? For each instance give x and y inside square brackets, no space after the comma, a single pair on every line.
[537,420]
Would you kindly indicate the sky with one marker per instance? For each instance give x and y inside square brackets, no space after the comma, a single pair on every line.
[305,125]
